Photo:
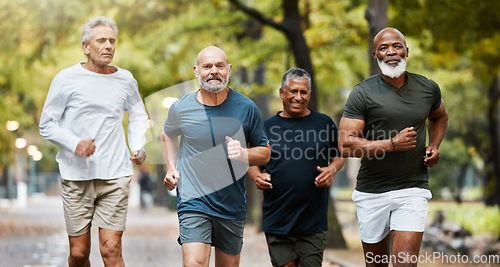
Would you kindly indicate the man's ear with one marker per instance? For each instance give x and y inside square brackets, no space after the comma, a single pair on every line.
[85,47]
[229,70]
[195,69]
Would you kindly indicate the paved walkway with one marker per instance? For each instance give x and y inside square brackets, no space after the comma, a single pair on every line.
[35,236]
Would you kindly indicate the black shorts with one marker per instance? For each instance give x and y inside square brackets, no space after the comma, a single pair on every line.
[306,248]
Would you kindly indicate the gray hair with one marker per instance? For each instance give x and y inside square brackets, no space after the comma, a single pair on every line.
[295,73]
[94,22]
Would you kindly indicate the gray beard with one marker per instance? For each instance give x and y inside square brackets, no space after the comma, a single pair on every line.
[391,71]
[204,84]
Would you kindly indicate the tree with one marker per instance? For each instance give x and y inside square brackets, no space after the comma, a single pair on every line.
[376,15]
[291,27]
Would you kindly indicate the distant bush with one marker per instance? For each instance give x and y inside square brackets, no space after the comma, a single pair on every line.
[475,217]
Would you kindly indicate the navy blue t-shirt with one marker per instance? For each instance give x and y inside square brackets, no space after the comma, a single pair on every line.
[209,182]
[298,146]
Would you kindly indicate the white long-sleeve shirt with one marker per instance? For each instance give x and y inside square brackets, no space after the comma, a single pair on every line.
[82,104]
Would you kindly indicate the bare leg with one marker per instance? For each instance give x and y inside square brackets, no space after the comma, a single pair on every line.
[291,264]
[110,245]
[195,254]
[79,250]
[222,259]
[405,247]
[377,254]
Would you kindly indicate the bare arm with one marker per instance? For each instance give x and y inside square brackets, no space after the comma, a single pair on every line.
[352,144]
[258,155]
[170,149]
[438,122]
[262,180]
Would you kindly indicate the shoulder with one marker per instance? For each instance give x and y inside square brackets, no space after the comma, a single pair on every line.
[321,116]
[123,72]
[420,79]
[322,119]
[368,82]
[69,71]
[272,121]
[184,101]
[239,98]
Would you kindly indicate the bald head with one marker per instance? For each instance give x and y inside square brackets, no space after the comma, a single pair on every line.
[211,52]
[388,34]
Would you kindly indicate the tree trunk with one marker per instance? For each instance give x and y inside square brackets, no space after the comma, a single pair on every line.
[461,183]
[492,183]
[297,42]
[334,237]
[376,15]
[291,27]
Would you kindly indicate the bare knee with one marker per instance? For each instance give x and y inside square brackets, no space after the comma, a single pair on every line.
[79,250]
[111,248]
[79,257]
[192,262]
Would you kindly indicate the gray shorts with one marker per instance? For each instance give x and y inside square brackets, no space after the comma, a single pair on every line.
[306,248]
[102,203]
[224,234]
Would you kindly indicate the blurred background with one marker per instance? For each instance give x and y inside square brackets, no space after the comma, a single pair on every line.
[455,43]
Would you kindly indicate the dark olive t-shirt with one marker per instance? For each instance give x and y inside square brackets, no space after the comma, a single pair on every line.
[386,110]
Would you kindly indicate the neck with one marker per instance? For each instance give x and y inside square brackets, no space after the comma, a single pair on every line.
[396,82]
[101,69]
[285,114]
[212,99]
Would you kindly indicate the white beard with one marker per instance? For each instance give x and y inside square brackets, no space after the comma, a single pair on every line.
[392,71]
[204,84]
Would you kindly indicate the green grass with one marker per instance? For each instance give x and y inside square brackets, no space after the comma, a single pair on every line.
[473,216]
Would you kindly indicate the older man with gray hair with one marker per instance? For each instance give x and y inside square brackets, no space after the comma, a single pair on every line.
[83,115]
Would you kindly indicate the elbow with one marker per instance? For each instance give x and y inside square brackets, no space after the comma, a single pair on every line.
[344,148]
[264,158]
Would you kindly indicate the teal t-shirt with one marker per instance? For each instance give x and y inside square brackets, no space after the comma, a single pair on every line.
[210,182]
[386,110]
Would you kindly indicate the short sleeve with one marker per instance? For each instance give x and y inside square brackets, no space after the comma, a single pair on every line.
[355,107]
[437,96]
[171,126]
[257,135]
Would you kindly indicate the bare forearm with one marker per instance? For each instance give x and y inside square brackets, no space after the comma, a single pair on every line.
[258,155]
[253,171]
[437,130]
[438,122]
[170,148]
[351,146]
[337,163]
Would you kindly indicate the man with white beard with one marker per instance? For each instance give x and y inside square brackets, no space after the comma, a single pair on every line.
[384,124]
[215,124]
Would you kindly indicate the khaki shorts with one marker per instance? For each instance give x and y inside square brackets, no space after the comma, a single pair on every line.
[102,203]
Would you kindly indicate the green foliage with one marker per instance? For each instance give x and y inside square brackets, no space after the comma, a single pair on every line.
[475,217]
[457,45]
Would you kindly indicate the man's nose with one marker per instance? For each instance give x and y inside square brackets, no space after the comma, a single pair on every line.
[108,44]
[297,96]
[391,50]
